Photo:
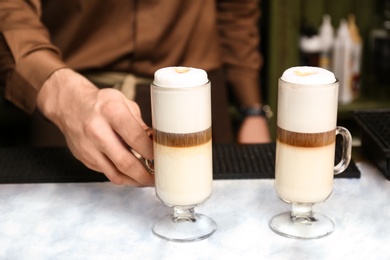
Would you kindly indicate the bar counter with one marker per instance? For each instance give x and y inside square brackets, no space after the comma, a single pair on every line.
[99,220]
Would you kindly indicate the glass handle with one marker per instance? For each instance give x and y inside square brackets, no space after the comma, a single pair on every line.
[346,149]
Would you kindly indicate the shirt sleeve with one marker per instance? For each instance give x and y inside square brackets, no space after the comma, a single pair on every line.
[238,28]
[30,56]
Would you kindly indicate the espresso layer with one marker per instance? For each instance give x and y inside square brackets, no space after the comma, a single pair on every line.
[182,140]
[305,139]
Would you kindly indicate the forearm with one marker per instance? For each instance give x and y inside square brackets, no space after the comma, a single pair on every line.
[238,25]
[31,57]
[245,85]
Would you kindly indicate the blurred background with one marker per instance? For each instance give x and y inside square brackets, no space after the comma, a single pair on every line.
[290,36]
[285,23]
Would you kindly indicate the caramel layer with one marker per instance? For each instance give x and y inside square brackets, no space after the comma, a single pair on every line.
[305,139]
[182,140]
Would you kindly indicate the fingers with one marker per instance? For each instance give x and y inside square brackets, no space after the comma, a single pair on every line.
[124,169]
[123,162]
[139,178]
[95,127]
[127,122]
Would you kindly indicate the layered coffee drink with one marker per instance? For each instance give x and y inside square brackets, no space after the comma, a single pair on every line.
[181,117]
[306,134]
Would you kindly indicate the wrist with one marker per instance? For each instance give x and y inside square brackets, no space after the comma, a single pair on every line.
[256,110]
[45,94]
[61,88]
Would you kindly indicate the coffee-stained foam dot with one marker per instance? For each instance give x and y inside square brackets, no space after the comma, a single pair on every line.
[182,69]
[306,75]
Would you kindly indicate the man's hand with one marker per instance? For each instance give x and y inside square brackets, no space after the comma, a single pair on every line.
[254,129]
[99,125]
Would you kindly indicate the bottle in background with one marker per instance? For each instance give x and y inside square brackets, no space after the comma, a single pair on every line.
[346,60]
[309,46]
[356,56]
[326,34]
[316,45]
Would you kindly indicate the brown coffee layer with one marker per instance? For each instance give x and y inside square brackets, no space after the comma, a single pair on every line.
[182,140]
[305,139]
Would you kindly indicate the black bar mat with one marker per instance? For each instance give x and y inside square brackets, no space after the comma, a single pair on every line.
[257,161]
[43,165]
[56,165]
[375,137]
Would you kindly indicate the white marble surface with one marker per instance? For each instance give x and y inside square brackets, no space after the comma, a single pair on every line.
[103,221]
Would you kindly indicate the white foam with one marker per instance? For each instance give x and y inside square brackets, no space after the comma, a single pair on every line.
[178,106]
[304,107]
[306,75]
[180,77]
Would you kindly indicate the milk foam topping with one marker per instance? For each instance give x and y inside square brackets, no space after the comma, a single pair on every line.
[306,75]
[307,100]
[180,77]
[181,101]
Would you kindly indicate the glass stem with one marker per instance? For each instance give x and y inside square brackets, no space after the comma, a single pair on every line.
[302,213]
[183,213]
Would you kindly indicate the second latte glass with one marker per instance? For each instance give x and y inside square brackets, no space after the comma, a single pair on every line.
[305,150]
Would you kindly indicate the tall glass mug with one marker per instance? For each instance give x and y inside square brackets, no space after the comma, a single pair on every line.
[181,118]
[305,149]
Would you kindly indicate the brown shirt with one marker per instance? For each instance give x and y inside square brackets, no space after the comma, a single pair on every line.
[39,37]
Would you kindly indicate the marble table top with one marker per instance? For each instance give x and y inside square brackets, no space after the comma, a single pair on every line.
[104,221]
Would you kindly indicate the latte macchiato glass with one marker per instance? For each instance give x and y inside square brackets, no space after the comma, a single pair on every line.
[305,149]
[181,118]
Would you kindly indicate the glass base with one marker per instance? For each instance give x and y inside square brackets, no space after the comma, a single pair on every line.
[197,228]
[316,226]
